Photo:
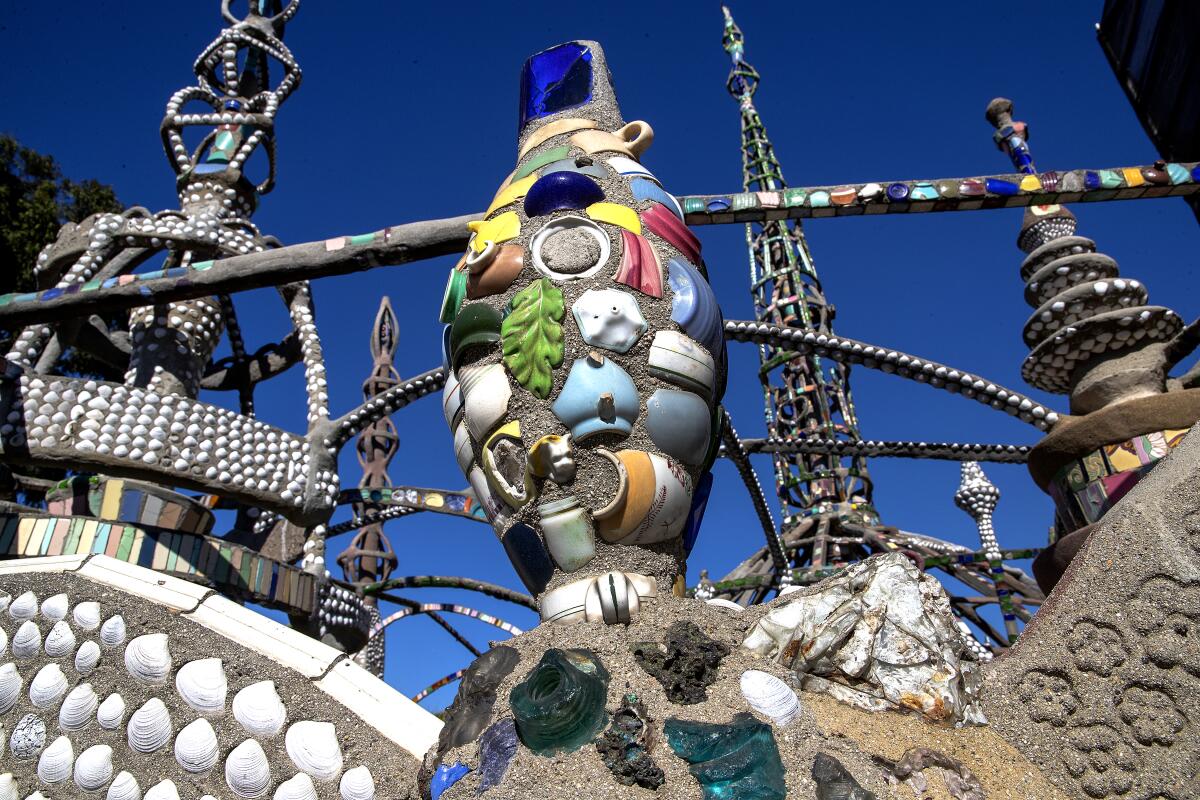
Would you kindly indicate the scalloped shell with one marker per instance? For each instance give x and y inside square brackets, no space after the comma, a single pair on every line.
[5,601]
[54,608]
[111,712]
[79,708]
[147,658]
[299,787]
[54,766]
[3,641]
[87,657]
[357,784]
[94,767]
[47,686]
[149,727]
[10,688]
[124,787]
[163,790]
[202,685]
[770,697]
[259,710]
[87,615]
[196,747]
[314,749]
[247,771]
[24,607]
[8,787]
[27,641]
[112,632]
[60,641]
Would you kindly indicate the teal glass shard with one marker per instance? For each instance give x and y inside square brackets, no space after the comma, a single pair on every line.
[738,761]
[559,707]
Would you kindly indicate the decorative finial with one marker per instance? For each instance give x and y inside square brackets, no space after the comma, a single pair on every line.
[978,497]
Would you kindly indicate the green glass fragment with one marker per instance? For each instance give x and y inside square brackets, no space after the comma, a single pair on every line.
[738,761]
[559,707]
[456,290]
[362,238]
[745,200]
[692,205]
[532,336]
[794,197]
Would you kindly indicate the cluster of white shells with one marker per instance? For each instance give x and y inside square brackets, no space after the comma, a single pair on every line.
[182,335]
[201,684]
[342,608]
[315,382]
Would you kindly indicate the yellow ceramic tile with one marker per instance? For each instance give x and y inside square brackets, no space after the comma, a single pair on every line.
[1030,183]
[554,129]
[110,503]
[1122,457]
[501,229]
[510,193]
[1133,176]
[613,214]
[25,533]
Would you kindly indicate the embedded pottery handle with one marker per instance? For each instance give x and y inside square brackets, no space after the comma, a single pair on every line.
[638,135]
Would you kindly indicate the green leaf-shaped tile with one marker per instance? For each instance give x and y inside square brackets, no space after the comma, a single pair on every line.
[532,336]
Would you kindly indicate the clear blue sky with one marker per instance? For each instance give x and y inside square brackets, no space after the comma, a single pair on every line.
[407,111]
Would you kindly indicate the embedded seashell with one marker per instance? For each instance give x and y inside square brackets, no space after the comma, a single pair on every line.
[124,787]
[10,687]
[27,641]
[3,641]
[55,764]
[87,615]
[357,784]
[111,712]
[247,771]
[36,796]
[721,602]
[60,641]
[94,767]
[259,709]
[313,748]
[299,787]
[79,708]
[47,686]
[87,658]
[164,790]
[202,685]
[5,601]
[8,787]
[770,697]
[28,737]
[149,727]
[147,658]
[112,632]
[24,607]
[54,608]
[196,747]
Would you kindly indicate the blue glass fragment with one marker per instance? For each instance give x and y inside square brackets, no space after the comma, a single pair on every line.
[1196,174]
[739,760]
[497,746]
[555,80]
[998,186]
[72,289]
[718,204]
[696,516]
[646,189]
[209,168]
[108,283]
[445,777]
[528,556]
[561,191]
[50,294]
[457,503]
[897,192]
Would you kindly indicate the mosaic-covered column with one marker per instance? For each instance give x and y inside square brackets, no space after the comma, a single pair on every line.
[585,354]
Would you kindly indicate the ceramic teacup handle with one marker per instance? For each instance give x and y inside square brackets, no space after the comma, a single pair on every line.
[638,135]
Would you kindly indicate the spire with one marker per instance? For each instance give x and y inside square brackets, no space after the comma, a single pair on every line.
[803,395]
[978,497]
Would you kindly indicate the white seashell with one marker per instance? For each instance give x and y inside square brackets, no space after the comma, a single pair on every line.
[36,796]
[770,697]
[87,615]
[247,771]
[10,689]
[721,602]
[202,685]
[112,632]
[94,767]
[196,747]
[3,641]
[149,727]
[24,607]
[8,787]
[54,608]
[313,748]
[47,686]
[87,658]
[164,790]
[124,787]
[60,641]
[357,784]
[299,787]
[27,641]
[259,709]
[5,602]
[79,708]
[111,712]
[55,764]
[147,658]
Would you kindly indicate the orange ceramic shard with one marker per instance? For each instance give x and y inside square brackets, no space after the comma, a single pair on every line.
[1133,176]
[499,274]
[639,265]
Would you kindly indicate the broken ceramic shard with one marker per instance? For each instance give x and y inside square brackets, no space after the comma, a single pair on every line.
[680,423]
[570,248]
[486,392]
[879,635]
[609,318]
[677,359]
[687,663]
[568,533]
[504,464]
[559,707]
[625,746]
[651,502]
[561,191]
[614,598]
[640,268]
[598,397]
[477,325]
[528,555]
[738,760]
[553,457]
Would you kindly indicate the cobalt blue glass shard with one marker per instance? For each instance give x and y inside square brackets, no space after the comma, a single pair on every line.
[738,760]
[528,556]
[691,531]
[1000,186]
[445,777]
[555,80]
[561,191]
[497,747]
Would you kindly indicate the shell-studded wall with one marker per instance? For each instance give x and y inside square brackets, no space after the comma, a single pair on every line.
[585,352]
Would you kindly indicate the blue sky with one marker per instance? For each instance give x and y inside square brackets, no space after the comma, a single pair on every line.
[407,111]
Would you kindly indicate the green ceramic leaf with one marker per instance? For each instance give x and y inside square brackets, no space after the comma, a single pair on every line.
[532,337]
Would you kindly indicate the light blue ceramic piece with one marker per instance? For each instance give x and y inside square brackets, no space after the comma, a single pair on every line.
[609,318]
[598,397]
[646,189]
[923,191]
[694,307]
[569,165]
[1178,173]
[680,424]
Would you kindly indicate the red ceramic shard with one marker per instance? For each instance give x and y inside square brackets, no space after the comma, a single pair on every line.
[665,225]
[639,266]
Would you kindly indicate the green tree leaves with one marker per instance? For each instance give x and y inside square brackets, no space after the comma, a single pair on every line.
[532,336]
